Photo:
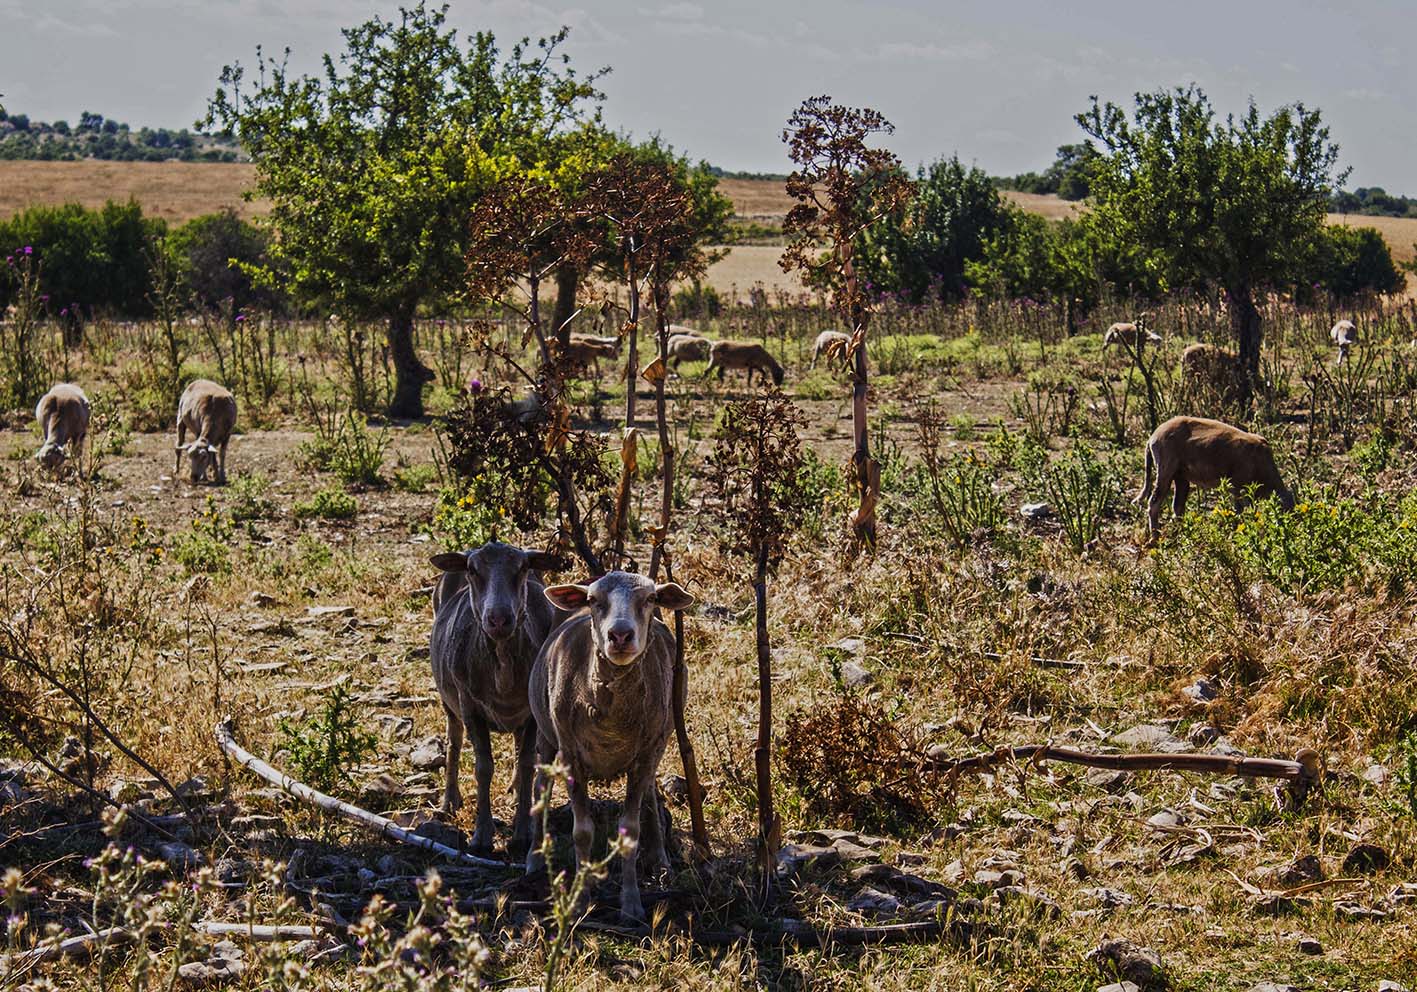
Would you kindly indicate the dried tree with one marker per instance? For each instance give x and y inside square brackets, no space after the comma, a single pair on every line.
[756,469]
[842,187]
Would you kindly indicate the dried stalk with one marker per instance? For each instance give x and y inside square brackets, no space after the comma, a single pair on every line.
[329,804]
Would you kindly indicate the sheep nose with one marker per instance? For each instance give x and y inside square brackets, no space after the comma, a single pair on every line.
[621,638]
[497,622]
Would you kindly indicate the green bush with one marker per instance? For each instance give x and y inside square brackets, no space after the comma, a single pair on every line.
[415,478]
[962,494]
[204,548]
[330,503]
[249,498]
[323,749]
[1081,490]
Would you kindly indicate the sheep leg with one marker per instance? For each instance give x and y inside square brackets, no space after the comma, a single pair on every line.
[526,759]
[1183,491]
[482,748]
[221,465]
[1164,477]
[542,788]
[640,780]
[653,843]
[452,796]
[582,823]
[181,440]
[1145,494]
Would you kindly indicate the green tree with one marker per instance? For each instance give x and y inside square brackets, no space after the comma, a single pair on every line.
[922,250]
[1351,261]
[215,255]
[373,168]
[1238,203]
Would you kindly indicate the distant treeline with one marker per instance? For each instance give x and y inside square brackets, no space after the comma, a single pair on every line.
[780,177]
[1373,201]
[98,137]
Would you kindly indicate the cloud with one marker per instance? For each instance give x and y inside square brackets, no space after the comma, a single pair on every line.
[681,11]
[969,51]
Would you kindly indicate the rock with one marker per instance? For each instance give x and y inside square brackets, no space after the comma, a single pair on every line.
[1119,987]
[1273,987]
[1035,511]
[1038,903]
[1108,780]
[223,965]
[195,787]
[179,857]
[793,858]
[259,598]
[1366,859]
[1374,775]
[674,788]
[122,790]
[1308,945]
[1201,691]
[1108,898]
[851,851]
[998,879]
[257,821]
[874,902]
[428,755]
[854,646]
[1297,872]
[1356,911]
[443,833]
[1202,734]
[854,675]
[1121,959]
[909,859]
[1150,737]
[1389,986]
[1165,818]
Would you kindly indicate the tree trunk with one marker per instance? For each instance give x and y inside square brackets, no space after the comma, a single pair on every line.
[410,374]
[630,370]
[568,280]
[1245,321]
[762,753]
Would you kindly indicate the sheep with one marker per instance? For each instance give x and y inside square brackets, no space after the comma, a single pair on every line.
[1213,367]
[209,411]
[832,344]
[1194,451]
[724,355]
[489,621]
[688,348]
[1345,335]
[585,350]
[1130,335]
[63,415]
[602,692]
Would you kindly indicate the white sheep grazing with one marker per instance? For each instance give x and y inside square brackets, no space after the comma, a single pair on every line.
[63,415]
[209,411]
[830,343]
[1345,335]
[1130,334]
[687,348]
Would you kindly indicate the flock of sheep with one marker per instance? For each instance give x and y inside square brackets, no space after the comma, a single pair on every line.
[584,673]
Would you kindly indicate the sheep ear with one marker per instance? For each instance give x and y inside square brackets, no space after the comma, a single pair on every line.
[450,561]
[569,597]
[672,596]
[543,562]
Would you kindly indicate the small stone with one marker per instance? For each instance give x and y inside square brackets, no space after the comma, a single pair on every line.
[259,598]
[428,755]
[1145,736]
[320,612]
[1308,945]
[1356,911]
[1119,987]
[1121,959]
[1366,859]
[851,851]
[1385,985]
[854,646]
[1202,734]
[1035,511]
[1375,775]
[1201,691]
[224,965]
[675,788]
[1037,902]
[1273,987]
[874,902]
[855,675]
[1109,898]
[195,787]
[1165,818]
[1108,780]
[124,791]
[792,858]
[179,857]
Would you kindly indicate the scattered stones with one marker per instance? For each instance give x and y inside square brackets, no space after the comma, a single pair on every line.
[1273,987]
[874,902]
[1202,691]
[428,755]
[1109,898]
[1356,911]
[1038,903]
[1121,959]
[1108,780]
[223,965]
[1035,511]
[1375,775]
[180,857]
[1389,986]
[1202,734]
[793,858]
[1308,945]
[853,646]
[1366,859]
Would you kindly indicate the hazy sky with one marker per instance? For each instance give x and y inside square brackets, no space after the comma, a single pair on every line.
[996,82]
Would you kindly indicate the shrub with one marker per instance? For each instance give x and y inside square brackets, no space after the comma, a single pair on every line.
[415,478]
[330,503]
[249,499]
[204,548]
[322,750]
[1081,489]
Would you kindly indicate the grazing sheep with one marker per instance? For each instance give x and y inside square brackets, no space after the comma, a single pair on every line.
[1345,335]
[831,343]
[1194,451]
[489,621]
[1130,335]
[209,411]
[601,690]
[63,415]
[724,355]
[586,351]
[688,348]
[1212,367]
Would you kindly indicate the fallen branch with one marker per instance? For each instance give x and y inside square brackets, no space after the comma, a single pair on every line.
[385,827]
[84,943]
[801,933]
[1303,772]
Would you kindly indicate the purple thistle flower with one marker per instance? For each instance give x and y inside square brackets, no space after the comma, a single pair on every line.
[240,317]
[624,831]
[64,312]
[474,386]
[44,297]
[29,249]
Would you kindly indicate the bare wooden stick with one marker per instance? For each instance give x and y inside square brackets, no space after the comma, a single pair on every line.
[264,932]
[84,943]
[385,827]
[1303,772]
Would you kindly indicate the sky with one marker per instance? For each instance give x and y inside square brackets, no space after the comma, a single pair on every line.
[997,82]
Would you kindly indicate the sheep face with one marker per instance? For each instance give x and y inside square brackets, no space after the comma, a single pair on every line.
[200,457]
[496,583]
[621,607]
[51,455]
